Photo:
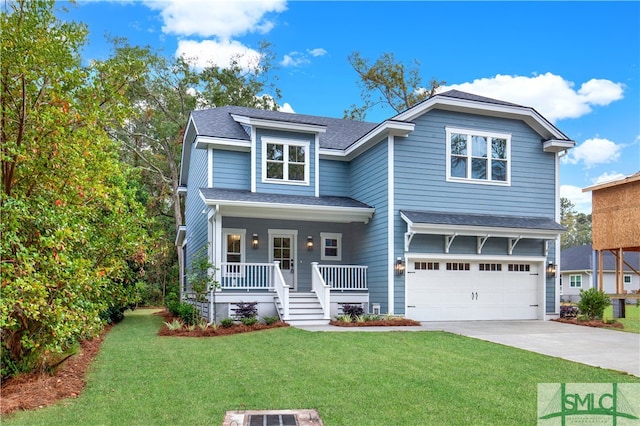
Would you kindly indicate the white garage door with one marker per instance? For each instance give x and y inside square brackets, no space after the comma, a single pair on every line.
[461,290]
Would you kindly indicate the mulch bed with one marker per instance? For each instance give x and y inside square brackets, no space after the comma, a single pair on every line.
[590,323]
[380,323]
[38,390]
[210,331]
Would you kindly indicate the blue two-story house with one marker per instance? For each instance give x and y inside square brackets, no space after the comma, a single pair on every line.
[447,211]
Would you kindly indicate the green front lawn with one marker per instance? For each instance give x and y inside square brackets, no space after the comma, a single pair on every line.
[631,321]
[363,378]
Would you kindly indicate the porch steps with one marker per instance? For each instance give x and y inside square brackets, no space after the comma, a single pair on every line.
[304,309]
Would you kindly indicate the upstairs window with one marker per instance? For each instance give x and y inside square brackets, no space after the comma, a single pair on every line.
[478,157]
[285,161]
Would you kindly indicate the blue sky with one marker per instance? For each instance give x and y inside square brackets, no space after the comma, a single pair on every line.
[577,63]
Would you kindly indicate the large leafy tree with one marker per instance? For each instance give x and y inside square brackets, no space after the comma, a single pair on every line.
[388,83]
[152,137]
[578,225]
[74,239]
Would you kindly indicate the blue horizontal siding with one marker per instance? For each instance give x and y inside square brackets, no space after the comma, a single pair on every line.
[420,177]
[334,178]
[195,221]
[231,169]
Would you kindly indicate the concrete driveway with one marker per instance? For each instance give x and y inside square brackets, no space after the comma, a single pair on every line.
[614,350]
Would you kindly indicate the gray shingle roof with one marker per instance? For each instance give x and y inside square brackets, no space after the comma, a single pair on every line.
[256,197]
[578,258]
[468,219]
[471,97]
[218,122]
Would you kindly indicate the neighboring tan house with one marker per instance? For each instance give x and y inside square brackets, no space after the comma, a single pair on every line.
[579,271]
[447,211]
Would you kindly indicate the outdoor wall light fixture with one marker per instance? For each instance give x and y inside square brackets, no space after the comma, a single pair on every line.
[309,243]
[254,241]
[399,266]
[551,270]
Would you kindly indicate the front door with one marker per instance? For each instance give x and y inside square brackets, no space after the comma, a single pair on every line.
[283,250]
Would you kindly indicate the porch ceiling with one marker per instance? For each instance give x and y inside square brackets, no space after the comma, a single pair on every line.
[292,207]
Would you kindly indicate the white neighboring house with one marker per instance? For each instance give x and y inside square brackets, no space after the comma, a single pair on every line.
[579,271]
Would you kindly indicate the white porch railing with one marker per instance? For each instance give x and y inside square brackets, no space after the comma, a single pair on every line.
[246,276]
[282,289]
[321,289]
[344,277]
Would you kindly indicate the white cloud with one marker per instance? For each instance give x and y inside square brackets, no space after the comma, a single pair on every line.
[608,177]
[223,19]
[297,59]
[551,95]
[294,59]
[592,152]
[317,52]
[210,52]
[286,107]
[581,200]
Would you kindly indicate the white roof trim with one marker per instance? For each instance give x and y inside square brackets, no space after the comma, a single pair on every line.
[527,114]
[478,231]
[378,134]
[555,145]
[281,125]
[204,142]
[252,209]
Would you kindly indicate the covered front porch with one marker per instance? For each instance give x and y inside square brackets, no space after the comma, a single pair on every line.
[265,283]
[300,251]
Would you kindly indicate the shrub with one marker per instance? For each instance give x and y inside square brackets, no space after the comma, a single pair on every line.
[344,318]
[270,320]
[246,310]
[593,303]
[227,322]
[188,313]
[249,321]
[352,310]
[176,324]
[568,311]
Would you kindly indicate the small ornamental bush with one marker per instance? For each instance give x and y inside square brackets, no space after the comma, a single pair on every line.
[249,321]
[188,313]
[593,303]
[246,310]
[568,311]
[270,320]
[352,310]
[227,322]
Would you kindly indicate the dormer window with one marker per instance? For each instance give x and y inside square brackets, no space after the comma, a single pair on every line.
[478,156]
[285,161]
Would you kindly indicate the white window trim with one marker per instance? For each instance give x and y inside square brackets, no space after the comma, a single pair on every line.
[233,231]
[576,284]
[334,236]
[286,143]
[482,133]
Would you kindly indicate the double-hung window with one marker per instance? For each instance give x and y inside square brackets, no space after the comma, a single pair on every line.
[575,281]
[478,156]
[285,161]
[331,246]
